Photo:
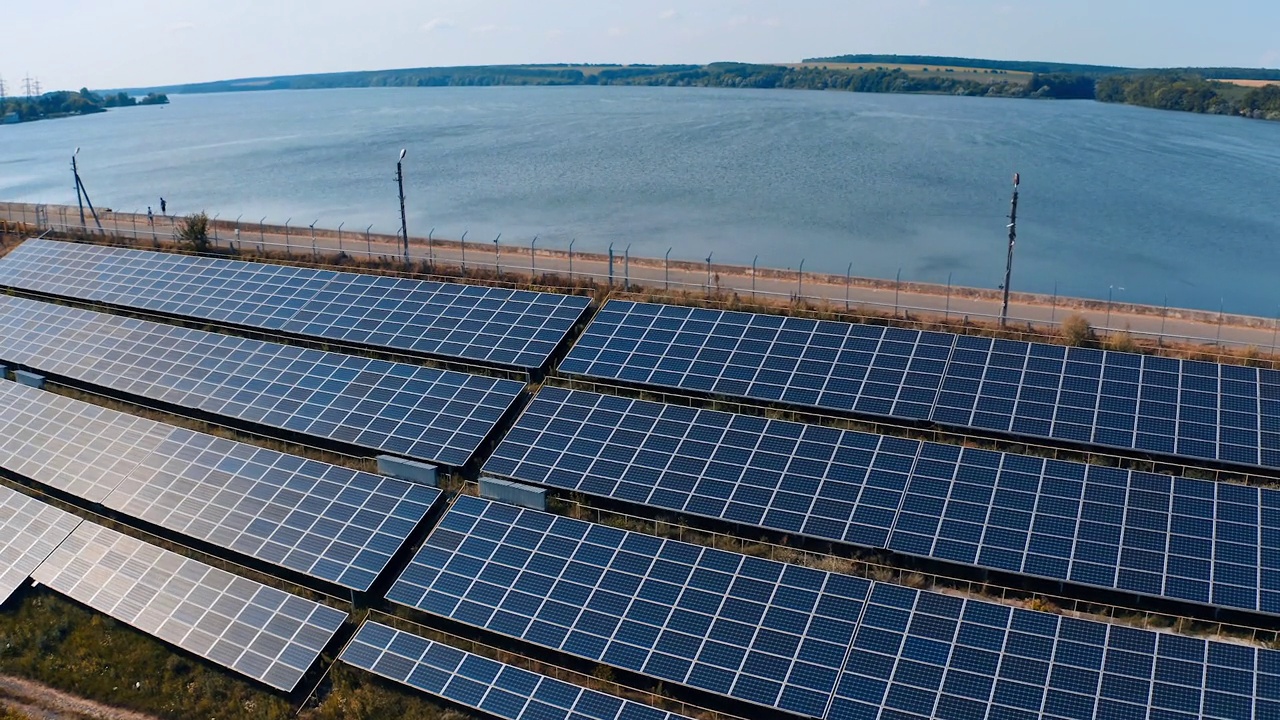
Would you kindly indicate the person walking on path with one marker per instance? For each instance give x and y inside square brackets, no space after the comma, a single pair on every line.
[151,220]
[164,207]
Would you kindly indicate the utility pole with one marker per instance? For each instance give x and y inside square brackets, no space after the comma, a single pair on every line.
[75,173]
[81,189]
[1013,237]
[404,230]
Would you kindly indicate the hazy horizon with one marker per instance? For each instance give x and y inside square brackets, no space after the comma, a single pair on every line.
[141,43]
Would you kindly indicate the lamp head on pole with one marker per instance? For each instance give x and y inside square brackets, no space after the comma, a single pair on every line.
[402,152]
[1017,179]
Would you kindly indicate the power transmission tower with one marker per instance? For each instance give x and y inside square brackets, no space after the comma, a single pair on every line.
[26,86]
[36,83]
[2,94]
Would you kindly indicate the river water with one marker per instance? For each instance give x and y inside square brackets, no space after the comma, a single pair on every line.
[1160,204]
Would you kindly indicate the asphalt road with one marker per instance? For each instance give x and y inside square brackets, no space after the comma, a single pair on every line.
[1170,325]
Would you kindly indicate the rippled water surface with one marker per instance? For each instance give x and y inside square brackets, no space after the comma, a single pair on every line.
[1161,204]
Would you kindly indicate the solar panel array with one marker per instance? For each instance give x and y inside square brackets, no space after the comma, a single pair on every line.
[493,325]
[1197,410]
[926,655]
[29,531]
[757,630]
[1176,538]
[474,681]
[423,413]
[323,520]
[256,630]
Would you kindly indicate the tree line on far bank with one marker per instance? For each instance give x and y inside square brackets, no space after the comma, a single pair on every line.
[63,103]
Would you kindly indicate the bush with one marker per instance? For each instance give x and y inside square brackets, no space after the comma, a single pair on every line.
[193,231]
[1077,331]
[1122,342]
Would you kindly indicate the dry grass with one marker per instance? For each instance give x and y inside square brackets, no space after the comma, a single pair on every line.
[1250,83]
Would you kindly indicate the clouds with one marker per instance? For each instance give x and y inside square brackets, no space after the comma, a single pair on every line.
[438,25]
[669,14]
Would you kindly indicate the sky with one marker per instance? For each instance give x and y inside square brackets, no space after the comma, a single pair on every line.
[67,44]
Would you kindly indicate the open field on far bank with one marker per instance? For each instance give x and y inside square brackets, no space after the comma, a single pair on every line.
[1251,83]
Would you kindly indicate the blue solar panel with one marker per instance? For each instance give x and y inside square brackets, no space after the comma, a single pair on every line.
[1189,409]
[322,520]
[492,325]
[424,413]
[926,655]
[477,682]
[757,630]
[1156,535]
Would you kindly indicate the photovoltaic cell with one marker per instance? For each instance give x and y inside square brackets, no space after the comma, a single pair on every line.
[1182,408]
[323,520]
[477,682]
[423,413]
[757,630]
[1156,535]
[256,630]
[493,325]
[29,531]
[925,655]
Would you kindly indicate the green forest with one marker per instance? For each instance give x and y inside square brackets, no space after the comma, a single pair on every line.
[1189,89]
[64,103]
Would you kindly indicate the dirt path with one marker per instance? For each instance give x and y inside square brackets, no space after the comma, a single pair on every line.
[40,702]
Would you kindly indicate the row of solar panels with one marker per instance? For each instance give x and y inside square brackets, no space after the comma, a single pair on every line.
[259,631]
[418,412]
[809,642]
[491,325]
[1175,538]
[1190,409]
[325,521]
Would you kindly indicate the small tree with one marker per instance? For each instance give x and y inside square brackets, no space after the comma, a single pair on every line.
[193,231]
[1077,331]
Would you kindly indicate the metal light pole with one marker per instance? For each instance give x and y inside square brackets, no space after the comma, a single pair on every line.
[287,249]
[75,172]
[313,238]
[709,272]
[753,276]
[463,243]
[666,270]
[800,280]
[431,250]
[497,256]
[897,285]
[215,228]
[610,264]
[948,313]
[238,225]
[533,263]
[626,268]
[344,222]
[262,237]
[571,242]
[1013,236]
[848,273]
[368,244]
[404,228]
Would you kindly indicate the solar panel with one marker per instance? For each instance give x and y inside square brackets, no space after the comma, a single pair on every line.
[492,325]
[927,655]
[785,476]
[1184,408]
[477,682]
[757,630]
[1155,535]
[256,630]
[323,520]
[424,413]
[29,531]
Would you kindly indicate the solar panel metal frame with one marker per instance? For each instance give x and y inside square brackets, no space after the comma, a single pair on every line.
[263,633]
[325,521]
[483,684]
[1174,538]
[756,630]
[518,328]
[424,413]
[29,532]
[1188,409]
